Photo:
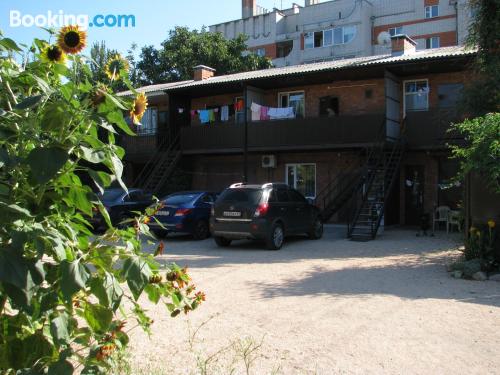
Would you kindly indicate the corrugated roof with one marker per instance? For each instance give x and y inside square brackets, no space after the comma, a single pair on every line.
[429,54]
[159,88]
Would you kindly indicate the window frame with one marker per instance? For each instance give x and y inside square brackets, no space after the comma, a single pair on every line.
[430,42]
[294,165]
[261,52]
[144,131]
[307,35]
[310,37]
[426,80]
[395,30]
[236,113]
[288,93]
[429,10]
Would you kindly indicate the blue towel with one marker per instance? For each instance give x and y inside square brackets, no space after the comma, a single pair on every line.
[204,116]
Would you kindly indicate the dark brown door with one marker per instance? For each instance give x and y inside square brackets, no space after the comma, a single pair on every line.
[414,194]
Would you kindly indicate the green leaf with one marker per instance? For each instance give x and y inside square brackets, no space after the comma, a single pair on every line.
[101,179]
[46,162]
[153,292]
[29,102]
[118,171]
[105,214]
[115,101]
[98,317]
[116,117]
[93,155]
[137,273]
[9,44]
[73,278]
[79,197]
[108,291]
[55,116]
[59,329]
[61,367]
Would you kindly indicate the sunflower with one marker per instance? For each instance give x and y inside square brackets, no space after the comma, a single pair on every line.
[98,94]
[53,54]
[71,39]
[491,223]
[114,66]
[138,108]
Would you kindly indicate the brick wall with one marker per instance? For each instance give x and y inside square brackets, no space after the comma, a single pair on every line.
[446,39]
[271,50]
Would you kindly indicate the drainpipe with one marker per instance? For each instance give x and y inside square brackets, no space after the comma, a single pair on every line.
[456,22]
[245,138]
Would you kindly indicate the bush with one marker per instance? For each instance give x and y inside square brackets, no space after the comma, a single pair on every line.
[63,300]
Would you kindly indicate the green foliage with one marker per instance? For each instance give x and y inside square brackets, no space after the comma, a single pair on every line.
[184,49]
[482,94]
[65,293]
[481,153]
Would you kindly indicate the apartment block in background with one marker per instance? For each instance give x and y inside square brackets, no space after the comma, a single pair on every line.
[340,29]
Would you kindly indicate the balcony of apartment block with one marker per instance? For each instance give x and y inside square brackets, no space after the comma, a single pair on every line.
[309,133]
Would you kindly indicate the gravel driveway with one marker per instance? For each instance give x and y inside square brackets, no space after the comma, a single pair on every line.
[323,307]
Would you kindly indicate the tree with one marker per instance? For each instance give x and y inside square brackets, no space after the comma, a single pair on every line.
[482,95]
[481,98]
[100,56]
[184,49]
[65,293]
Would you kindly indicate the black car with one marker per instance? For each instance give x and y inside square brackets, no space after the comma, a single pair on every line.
[266,212]
[121,206]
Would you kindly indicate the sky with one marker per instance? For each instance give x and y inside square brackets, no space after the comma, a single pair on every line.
[153,18]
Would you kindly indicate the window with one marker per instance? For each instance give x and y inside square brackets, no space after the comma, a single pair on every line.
[338,35]
[396,30]
[328,106]
[260,52]
[296,100]
[432,42]
[431,11]
[149,122]
[349,33]
[240,110]
[449,94]
[302,177]
[309,40]
[416,95]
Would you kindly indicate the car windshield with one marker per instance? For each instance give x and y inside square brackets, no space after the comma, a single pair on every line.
[180,198]
[111,195]
[241,195]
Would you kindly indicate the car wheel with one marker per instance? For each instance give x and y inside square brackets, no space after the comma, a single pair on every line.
[316,231]
[160,233]
[201,230]
[276,237]
[222,242]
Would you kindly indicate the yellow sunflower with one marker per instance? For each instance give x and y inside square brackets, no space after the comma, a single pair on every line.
[53,54]
[139,106]
[116,64]
[71,39]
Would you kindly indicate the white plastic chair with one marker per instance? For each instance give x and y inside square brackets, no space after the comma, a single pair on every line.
[454,220]
[441,215]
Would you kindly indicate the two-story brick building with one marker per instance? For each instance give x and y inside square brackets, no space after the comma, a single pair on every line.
[365,134]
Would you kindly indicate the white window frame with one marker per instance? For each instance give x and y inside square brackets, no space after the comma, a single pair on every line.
[260,52]
[395,30]
[236,113]
[430,40]
[404,94]
[310,36]
[429,10]
[288,93]
[295,167]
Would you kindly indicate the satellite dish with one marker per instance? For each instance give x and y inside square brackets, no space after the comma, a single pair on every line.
[384,38]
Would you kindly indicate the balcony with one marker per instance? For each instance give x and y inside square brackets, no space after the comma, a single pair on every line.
[429,129]
[275,135]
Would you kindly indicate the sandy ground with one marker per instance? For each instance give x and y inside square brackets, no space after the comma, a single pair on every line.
[326,307]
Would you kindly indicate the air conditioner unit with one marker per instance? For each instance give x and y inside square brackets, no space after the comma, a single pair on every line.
[268,161]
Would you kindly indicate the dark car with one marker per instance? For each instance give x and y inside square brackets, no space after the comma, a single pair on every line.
[121,206]
[266,212]
[185,212]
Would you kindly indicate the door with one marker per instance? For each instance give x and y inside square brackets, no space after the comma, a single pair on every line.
[414,194]
[300,211]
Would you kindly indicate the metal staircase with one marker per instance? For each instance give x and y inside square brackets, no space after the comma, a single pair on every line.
[380,174]
[160,167]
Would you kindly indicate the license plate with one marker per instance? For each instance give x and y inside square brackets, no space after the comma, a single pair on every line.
[162,213]
[232,213]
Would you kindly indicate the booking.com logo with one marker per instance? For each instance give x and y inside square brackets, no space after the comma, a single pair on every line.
[59,19]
